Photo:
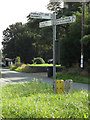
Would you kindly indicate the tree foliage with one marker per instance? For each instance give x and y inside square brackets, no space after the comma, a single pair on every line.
[29,41]
[17,41]
[71,43]
[43,38]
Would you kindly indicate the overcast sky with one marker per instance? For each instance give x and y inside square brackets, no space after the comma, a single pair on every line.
[12,11]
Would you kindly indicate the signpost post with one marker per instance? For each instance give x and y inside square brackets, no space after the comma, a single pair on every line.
[54,62]
[53,22]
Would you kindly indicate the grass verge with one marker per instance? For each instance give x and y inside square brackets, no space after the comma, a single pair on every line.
[75,78]
[37,100]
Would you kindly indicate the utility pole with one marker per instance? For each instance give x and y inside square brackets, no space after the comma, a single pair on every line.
[82,32]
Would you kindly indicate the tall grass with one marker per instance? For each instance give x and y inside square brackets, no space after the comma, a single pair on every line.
[75,78]
[37,100]
[76,74]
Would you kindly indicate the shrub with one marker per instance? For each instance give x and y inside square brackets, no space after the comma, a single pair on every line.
[18,58]
[25,68]
[28,69]
[38,60]
[20,68]
[13,67]
[84,73]
[18,64]
[74,71]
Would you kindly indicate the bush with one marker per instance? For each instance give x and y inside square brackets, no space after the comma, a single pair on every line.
[20,68]
[13,67]
[25,68]
[38,60]
[74,71]
[18,64]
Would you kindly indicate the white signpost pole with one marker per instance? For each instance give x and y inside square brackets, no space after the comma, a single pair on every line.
[54,39]
[53,22]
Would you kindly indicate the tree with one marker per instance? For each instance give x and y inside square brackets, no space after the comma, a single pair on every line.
[18,41]
[43,38]
[71,43]
[63,33]
[86,37]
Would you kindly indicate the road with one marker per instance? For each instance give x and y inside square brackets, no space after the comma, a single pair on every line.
[14,77]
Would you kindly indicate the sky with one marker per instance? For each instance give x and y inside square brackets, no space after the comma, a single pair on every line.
[12,11]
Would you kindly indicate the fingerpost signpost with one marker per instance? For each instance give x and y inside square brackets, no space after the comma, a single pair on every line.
[52,22]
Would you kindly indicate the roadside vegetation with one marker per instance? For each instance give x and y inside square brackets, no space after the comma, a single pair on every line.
[37,62]
[72,73]
[28,67]
[14,67]
[75,78]
[76,74]
[37,100]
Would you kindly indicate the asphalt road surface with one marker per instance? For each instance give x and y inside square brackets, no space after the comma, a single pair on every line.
[14,77]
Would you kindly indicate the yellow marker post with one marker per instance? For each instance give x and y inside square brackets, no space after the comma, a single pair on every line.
[60,86]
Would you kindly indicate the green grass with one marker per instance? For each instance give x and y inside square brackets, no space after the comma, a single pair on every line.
[75,78]
[37,100]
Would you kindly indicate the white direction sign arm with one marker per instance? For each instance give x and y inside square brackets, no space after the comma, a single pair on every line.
[40,15]
[45,23]
[64,20]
